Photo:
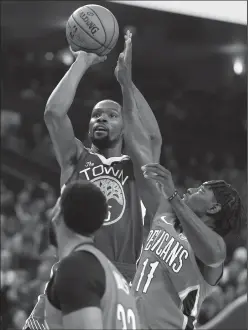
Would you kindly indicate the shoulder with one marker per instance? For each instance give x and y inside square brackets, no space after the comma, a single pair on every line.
[78,259]
[79,282]
[80,265]
[68,171]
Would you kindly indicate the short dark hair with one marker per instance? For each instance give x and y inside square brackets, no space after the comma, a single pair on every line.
[231,216]
[84,207]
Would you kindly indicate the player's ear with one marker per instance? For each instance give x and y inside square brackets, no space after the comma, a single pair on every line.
[215,208]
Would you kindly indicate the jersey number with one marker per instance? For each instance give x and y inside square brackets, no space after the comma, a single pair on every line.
[150,276]
[127,318]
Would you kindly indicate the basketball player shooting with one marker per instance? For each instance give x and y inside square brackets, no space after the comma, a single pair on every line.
[121,236]
[185,251]
[128,236]
[85,291]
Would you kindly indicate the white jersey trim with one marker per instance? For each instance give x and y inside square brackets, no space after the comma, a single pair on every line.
[110,160]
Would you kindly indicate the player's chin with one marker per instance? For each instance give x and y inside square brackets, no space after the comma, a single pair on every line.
[101,142]
[99,135]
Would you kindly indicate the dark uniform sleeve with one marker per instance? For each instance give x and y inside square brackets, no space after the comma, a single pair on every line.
[80,282]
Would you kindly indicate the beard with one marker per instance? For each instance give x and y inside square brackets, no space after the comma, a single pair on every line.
[104,142]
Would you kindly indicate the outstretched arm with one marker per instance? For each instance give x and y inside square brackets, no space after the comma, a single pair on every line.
[207,245]
[145,113]
[67,148]
[137,140]
[149,123]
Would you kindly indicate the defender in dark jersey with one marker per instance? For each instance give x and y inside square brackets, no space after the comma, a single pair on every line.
[184,254]
[85,290]
[120,238]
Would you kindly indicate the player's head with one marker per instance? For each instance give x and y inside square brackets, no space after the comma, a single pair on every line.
[218,201]
[106,124]
[83,207]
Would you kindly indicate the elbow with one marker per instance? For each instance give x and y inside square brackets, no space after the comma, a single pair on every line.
[218,254]
[52,111]
[49,111]
[156,139]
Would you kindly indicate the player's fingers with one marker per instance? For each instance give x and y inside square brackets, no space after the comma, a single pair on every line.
[128,44]
[154,176]
[73,52]
[129,34]
[102,58]
[121,58]
[128,49]
[156,167]
[158,180]
[162,168]
[149,165]
[128,40]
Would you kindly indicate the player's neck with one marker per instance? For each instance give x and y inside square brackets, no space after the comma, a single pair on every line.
[66,245]
[209,221]
[108,152]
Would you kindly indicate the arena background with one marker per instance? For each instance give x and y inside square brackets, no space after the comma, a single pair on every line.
[191,70]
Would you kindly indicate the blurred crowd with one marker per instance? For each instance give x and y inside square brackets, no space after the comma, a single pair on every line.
[204,138]
[26,257]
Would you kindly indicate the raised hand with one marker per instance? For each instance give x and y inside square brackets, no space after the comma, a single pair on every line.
[128,52]
[161,176]
[123,70]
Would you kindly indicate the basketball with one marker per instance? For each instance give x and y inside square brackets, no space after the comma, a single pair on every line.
[93,29]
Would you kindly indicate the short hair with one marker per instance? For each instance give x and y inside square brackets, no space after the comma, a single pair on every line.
[231,216]
[84,207]
[108,101]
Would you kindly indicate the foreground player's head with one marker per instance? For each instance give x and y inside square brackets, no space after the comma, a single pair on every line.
[218,202]
[83,207]
[106,124]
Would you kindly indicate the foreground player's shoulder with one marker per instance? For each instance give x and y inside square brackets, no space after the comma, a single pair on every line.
[81,261]
[78,273]
[79,282]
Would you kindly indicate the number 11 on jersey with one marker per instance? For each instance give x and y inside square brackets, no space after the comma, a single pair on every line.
[150,275]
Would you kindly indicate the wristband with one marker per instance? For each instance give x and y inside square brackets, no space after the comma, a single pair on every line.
[173,196]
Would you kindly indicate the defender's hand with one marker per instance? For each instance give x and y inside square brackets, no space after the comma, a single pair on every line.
[161,176]
[123,70]
[128,52]
[88,58]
